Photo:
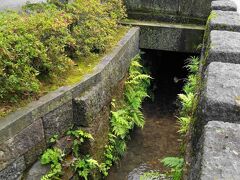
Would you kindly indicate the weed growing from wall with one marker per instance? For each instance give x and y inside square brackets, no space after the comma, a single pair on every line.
[82,165]
[127,114]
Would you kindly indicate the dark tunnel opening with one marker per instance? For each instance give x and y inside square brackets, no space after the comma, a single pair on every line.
[169,73]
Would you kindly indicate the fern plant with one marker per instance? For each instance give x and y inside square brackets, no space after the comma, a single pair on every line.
[54,157]
[79,137]
[129,115]
[176,165]
[188,98]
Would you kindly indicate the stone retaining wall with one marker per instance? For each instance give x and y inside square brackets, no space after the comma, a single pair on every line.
[216,135]
[25,133]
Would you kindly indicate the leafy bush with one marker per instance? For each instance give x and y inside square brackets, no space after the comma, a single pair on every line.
[41,43]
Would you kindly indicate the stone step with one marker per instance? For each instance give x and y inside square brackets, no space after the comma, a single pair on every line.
[169,36]
[220,97]
[225,20]
[219,157]
[224,46]
[224,5]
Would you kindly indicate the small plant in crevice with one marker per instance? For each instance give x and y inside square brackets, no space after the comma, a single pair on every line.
[128,114]
[176,165]
[79,137]
[54,157]
[80,164]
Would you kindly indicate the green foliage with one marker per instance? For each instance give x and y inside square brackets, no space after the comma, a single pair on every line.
[176,165]
[54,157]
[84,166]
[136,87]
[152,175]
[188,98]
[79,137]
[129,115]
[41,43]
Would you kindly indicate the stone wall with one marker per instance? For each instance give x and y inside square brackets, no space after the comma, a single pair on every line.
[216,135]
[25,133]
[184,11]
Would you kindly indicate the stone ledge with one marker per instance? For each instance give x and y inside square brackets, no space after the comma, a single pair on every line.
[225,20]
[220,156]
[224,46]
[224,5]
[220,99]
[168,36]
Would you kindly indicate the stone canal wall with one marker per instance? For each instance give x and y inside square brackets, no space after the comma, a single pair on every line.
[217,130]
[184,11]
[25,133]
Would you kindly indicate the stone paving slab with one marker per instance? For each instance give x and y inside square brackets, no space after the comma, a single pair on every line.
[224,46]
[224,5]
[220,100]
[221,151]
[225,20]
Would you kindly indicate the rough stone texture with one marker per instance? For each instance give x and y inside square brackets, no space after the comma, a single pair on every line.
[33,154]
[15,122]
[184,11]
[13,171]
[225,20]
[87,106]
[220,99]
[170,37]
[99,130]
[36,171]
[224,47]
[220,153]
[224,5]
[21,143]
[58,121]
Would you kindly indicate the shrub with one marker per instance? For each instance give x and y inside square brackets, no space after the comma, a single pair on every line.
[39,44]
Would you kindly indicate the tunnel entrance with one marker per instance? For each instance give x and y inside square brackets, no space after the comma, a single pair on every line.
[159,137]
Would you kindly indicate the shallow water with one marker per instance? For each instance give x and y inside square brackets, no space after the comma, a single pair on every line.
[159,137]
[147,146]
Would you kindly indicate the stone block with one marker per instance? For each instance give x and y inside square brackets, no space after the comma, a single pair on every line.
[87,106]
[220,99]
[170,37]
[99,129]
[13,171]
[224,5]
[36,171]
[58,121]
[21,143]
[224,46]
[221,151]
[225,20]
[198,9]
[34,153]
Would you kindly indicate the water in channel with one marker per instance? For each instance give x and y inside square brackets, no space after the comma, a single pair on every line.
[159,137]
